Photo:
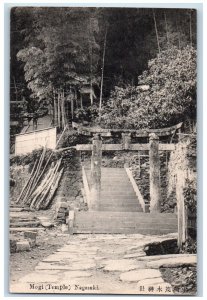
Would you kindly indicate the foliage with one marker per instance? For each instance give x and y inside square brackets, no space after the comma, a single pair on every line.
[190,246]
[89,113]
[61,48]
[190,195]
[169,95]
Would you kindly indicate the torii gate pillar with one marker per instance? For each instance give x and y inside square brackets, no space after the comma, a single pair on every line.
[96,159]
[154,160]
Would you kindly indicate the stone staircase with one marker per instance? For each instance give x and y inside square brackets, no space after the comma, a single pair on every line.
[119,212]
[117,193]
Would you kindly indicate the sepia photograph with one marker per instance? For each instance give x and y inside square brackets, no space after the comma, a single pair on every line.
[103,151]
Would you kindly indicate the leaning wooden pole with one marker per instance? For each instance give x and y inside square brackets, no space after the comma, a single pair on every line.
[27,183]
[47,162]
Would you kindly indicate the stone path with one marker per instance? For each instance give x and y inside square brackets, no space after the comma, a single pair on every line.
[110,264]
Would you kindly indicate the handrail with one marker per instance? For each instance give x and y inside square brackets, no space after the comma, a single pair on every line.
[136,189]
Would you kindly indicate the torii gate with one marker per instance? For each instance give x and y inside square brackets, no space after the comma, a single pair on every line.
[153,147]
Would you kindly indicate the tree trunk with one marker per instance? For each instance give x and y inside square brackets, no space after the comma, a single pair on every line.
[72,108]
[191,42]
[168,41]
[59,109]
[76,99]
[81,101]
[177,28]
[156,31]
[91,63]
[62,109]
[102,74]
[15,86]
[55,111]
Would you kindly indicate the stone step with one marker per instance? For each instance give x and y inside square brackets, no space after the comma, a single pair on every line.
[16,209]
[114,205]
[115,178]
[25,224]
[108,192]
[124,222]
[155,216]
[127,226]
[119,209]
[22,229]
[113,175]
[119,198]
[119,185]
[16,219]
[105,169]
[124,200]
[117,188]
[18,214]
[149,231]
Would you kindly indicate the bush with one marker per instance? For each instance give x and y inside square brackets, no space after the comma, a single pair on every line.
[89,113]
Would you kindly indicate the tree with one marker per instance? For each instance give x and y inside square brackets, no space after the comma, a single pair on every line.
[62,55]
[167,97]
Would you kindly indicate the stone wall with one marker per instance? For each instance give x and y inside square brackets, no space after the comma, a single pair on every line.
[69,195]
[20,174]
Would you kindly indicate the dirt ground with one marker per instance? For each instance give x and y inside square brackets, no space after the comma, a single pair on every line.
[48,241]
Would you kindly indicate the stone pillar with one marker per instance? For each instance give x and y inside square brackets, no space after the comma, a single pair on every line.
[154,161]
[126,141]
[96,159]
